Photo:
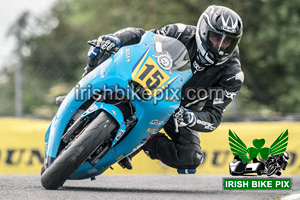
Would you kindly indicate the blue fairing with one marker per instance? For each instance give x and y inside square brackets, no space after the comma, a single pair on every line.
[127,64]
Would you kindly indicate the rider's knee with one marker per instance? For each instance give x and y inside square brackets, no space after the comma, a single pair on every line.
[197,157]
[192,158]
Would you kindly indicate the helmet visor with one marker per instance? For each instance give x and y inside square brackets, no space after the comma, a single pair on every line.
[221,44]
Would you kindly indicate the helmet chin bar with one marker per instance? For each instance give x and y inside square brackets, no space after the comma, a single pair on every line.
[221,51]
[203,53]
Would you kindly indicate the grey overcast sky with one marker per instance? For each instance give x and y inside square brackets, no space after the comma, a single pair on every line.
[10,10]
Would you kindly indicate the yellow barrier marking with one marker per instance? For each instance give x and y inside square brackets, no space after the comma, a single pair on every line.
[22,140]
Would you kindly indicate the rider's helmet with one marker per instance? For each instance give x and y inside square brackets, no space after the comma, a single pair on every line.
[219,30]
[286,155]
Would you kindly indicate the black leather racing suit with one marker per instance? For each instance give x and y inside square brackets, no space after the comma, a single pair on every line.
[216,87]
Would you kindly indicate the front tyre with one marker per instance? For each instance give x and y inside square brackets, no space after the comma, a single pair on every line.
[97,132]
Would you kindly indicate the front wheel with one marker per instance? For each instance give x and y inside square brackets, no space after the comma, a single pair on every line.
[96,133]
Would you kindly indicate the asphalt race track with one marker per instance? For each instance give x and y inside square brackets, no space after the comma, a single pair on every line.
[134,187]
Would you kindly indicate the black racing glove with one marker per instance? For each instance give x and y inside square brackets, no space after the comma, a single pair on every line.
[108,43]
[101,49]
[184,117]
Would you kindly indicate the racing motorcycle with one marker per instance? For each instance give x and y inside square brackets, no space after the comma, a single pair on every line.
[115,109]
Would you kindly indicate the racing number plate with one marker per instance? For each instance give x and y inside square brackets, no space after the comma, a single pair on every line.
[151,77]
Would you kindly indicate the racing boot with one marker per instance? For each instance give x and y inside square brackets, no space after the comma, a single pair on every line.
[186,171]
[125,163]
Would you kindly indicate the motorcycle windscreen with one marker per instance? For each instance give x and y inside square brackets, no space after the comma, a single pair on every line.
[171,54]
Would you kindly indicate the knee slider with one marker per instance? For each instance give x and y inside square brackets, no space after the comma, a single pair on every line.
[198,157]
[191,158]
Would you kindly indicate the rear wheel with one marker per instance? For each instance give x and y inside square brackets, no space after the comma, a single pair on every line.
[97,132]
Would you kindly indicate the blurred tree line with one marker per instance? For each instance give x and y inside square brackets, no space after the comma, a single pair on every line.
[55,48]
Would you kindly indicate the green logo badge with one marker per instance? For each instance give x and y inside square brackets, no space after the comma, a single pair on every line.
[258,150]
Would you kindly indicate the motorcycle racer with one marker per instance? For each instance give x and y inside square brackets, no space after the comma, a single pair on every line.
[214,54]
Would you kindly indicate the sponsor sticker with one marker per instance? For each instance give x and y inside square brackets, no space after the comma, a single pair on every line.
[120,134]
[95,107]
[153,130]
[156,122]
[165,61]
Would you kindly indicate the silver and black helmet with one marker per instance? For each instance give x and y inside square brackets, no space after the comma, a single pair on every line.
[219,30]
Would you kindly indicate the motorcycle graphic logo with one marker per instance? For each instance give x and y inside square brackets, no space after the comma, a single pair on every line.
[265,160]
